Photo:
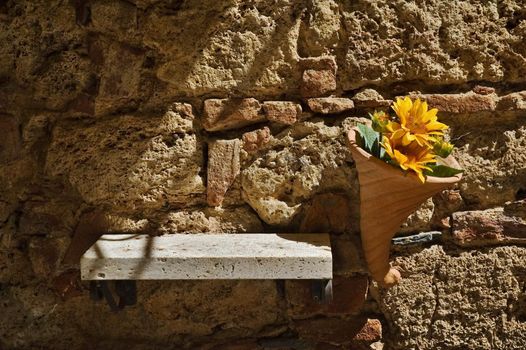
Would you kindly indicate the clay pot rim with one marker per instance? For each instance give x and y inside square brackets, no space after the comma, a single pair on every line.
[357,150]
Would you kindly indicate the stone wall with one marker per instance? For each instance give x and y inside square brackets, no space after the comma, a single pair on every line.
[163,116]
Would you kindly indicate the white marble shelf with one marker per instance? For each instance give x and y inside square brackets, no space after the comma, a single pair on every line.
[209,256]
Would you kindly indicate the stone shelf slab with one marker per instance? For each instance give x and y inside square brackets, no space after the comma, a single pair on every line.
[208,256]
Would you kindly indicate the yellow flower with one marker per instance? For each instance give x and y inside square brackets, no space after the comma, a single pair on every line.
[412,157]
[382,123]
[417,123]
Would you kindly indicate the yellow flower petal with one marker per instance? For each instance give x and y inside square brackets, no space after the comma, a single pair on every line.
[417,123]
[421,177]
[407,139]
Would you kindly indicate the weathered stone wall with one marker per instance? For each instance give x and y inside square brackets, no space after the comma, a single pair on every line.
[163,116]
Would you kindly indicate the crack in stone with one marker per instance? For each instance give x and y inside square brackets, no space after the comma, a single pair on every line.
[435,311]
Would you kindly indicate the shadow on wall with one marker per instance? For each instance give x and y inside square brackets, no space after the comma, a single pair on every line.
[257,61]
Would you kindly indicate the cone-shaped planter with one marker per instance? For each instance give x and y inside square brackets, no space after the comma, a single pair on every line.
[387,198]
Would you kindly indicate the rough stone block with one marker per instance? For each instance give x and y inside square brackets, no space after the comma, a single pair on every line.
[374,56]
[513,101]
[15,267]
[445,203]
[256,140]
[370,98]
[45,255]
[329,105]
[179,118]
[118,17]
[456,295]
[218,309]
[132,163]
[120,82]
[224,50]
[245,344]
[460,103]
[319,63]
[10,143]
[210,219]
[223,168]
[486,227]
[493,160]
[47,217]
[420,219]
[226,114]
[517,208]
[280,180]
[61,80]
[349,294]
[283,112]
[206,256]
[316,83]
[354,331]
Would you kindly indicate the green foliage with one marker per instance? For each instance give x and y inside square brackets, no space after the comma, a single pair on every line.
[442,148]
[380,121]
[442,171]
[370,141]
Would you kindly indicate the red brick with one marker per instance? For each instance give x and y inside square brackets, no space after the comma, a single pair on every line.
[460,103]
[349,294]
[329,105]
[256,140]
[226,114]
[487,227]
[319,75]
[369,98]
[223,168]
[10,142]
[67,285]
[282,112]
[370,332]
[483,90]
[327,212]
[317,83]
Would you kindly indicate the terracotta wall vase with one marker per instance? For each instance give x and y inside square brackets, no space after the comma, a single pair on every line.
[387,197]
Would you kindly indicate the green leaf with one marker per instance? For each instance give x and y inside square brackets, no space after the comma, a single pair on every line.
[442,171]
[370,140]
[368,136]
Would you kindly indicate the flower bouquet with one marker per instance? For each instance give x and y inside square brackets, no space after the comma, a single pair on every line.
[402,160]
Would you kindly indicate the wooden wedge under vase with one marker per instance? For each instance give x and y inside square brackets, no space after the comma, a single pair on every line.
[387,197]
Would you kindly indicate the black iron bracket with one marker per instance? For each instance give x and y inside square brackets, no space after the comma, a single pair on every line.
[321,291]
[125,293]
